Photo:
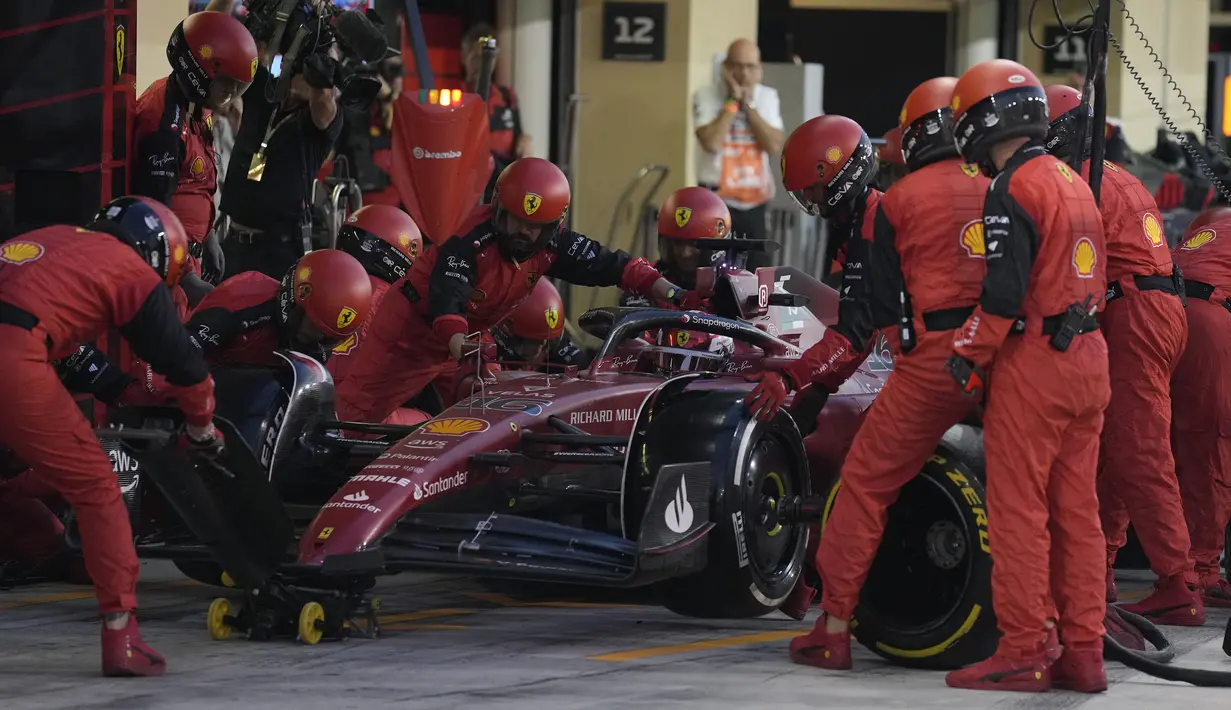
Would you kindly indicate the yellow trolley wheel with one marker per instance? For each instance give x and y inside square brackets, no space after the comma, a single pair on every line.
[310,617]
[227,581]
[219,610]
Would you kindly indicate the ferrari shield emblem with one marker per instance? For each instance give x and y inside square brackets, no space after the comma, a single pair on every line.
[682,216]
[531,203]
[325,533]
[970,169]
[552,316]
[1064,170]
[682,338]
[346,317]
[255,63]
[1084,258]
[532,278]
[120,42]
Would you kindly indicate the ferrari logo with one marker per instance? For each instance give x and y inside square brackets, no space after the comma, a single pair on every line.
[682,338]
[1196,241]
[552,316]
[325,533]
[345,346]
[682,215]
[1153,230]
[972,239]
[970,169]
[197,167]
[1064,170]
[255,64]
[20,252]
[532,278]
[531,203]
[346,317]
[178,255]
[1084,258]
[120,37]
[956,103]
[782,164]
[1110,166]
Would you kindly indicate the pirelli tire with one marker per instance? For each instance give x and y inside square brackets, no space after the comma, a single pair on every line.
[927,601]
[753,558]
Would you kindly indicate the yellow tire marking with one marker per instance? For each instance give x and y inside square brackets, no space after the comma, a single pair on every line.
[654,651]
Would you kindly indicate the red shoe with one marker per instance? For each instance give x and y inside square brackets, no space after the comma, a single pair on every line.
[821,649]
[1079,670]
[799,602]
[1217,594]
[125,653]
[1173,603]
[1030,675]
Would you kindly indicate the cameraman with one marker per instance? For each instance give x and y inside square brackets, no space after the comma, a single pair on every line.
[278,151]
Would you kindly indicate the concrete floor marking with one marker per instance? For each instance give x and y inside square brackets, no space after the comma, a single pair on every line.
[744,640]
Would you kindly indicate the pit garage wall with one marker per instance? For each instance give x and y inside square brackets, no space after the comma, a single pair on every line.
[638,113]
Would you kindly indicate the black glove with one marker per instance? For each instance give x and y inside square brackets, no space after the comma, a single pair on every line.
[969,376]
[807,406]
[88,371]
[319,70]
[213,263]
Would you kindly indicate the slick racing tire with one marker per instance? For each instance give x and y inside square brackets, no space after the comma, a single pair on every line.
[927,601]
[202,571]
[753,558]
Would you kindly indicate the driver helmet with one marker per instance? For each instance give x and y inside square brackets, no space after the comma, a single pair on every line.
[926,123]
[529,203]
[149,227]
[384,239]
[537,321]
[689,214]
[323,299]
[1065,112]
[996,101]
[214,58]
[827,164]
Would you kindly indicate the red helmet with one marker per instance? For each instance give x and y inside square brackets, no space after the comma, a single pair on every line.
[827,163]
[1208,217]
[690,213]
[995,101]
[151,228]
[531,194]
[1064,112]
[214,57]
[330,289]
[891,152]
[384,239]
[536,321]
[926,123]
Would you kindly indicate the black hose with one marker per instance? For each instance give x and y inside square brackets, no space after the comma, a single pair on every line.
[1150,663]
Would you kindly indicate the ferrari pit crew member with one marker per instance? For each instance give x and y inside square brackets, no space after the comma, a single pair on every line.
[474,280]
[1045,268]
[925,273]
[213,60]
[828,165]
[1145,329]
[688,214]
[61,286]
[323,299]
[386,241]
[1201,401]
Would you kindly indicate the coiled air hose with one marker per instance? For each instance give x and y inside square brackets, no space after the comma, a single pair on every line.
[1124,627]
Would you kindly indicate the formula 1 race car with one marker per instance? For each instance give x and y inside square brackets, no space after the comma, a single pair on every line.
[643,470]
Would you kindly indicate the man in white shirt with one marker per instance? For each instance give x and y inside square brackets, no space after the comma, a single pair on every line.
[739,126]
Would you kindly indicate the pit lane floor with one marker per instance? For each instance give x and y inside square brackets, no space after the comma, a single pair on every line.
[460,643]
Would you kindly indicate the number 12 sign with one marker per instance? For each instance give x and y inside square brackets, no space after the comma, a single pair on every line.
[635,31]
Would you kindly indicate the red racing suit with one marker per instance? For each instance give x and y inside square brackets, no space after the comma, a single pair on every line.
[925,268]
[240,322]
[464,286]
[845,345]
[59,287]
[174,161]
[1045,253]
[1145,328]
[1201,395]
